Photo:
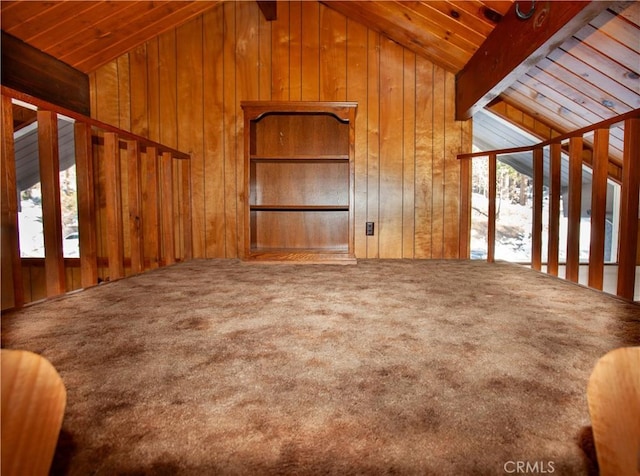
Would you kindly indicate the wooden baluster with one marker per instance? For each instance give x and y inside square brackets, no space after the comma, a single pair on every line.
[575,209]
[491,228]
[150,211]
[168,238]
[598,207]
[465,208]
[554,209]
[12,285]
[51,208]
[536,225]
[628,251]
[86,206]
[186,210]
[135,207]
[115,240]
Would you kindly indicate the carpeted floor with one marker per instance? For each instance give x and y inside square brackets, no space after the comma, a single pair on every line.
[385,367]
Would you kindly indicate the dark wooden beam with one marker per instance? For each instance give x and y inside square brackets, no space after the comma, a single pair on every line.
[516,45]
[269,9]
[26,69]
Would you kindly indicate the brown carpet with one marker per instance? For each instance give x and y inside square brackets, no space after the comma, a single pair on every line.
[385,367]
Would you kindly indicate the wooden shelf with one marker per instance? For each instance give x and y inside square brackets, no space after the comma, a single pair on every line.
[298,184]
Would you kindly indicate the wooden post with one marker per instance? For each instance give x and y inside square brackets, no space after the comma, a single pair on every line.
[465,208]
[598,207]
[168,238]
[575,209]
[12,285]
[135,207]
[491,228]
[536,226]
[554,209]
[112,178]
[86,206]
[51,208]
[628,251]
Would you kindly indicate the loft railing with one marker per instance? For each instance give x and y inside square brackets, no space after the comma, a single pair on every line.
[604,167]
[133,198]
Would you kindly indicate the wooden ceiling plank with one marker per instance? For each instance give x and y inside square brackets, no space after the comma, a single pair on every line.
[590,78]
[493,68]
[50,21]
[542,93]
[566,104]
[66,26]
[619,29]
[364,13]
[179,16]
[101,27]
[577,90]
[471,14]
[541,107]
[609,47]
[14,15]
[439,17]
[547,115]
[605,64]
[629,10]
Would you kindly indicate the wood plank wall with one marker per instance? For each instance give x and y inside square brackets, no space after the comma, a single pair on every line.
[184,89]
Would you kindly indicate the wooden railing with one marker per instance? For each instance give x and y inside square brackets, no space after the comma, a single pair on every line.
[134,210]
[626,172]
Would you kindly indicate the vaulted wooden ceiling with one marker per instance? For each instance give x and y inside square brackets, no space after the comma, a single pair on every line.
[590,75]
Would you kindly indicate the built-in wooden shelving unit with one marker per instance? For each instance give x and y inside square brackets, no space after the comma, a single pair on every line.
[299,181]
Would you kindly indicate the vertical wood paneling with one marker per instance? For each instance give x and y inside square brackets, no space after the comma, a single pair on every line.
[233,156]
[333,55]
[439,159]
[407,178]
[356,91]
[424,158]
[51,208]
[451,189]
[391,166]
[248,88]
[373,140]
[311,51]
[190,115]
[264,62]
[280,54]
[408,155]
[214,133]
[295,50]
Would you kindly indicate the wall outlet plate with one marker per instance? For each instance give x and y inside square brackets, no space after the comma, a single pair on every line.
[369,228]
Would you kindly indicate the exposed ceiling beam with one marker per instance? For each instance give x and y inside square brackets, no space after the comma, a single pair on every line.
[269,9]
[516,45]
